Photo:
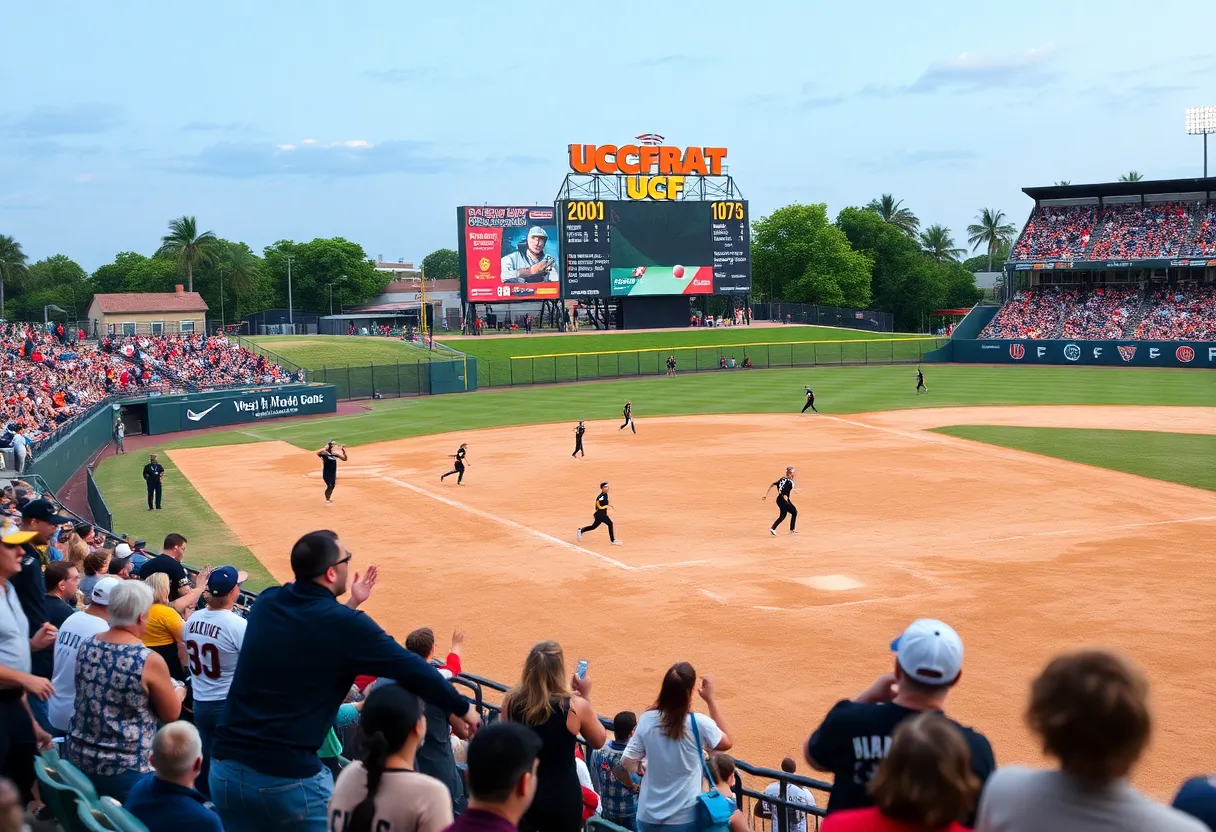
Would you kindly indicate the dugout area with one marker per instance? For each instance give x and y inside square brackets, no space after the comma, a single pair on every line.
[1025,555]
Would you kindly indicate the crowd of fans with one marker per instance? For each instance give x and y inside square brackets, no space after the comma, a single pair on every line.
[243,735]
[51,377]
[1151,230]
[1203,244]
[1108,312]
[1056,233]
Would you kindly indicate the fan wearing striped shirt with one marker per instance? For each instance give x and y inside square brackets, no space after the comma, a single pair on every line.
[785,487]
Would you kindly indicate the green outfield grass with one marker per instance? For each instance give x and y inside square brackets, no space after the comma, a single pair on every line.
[1188,459]
[312,352]
[839,390]
[591,355]
[211,542]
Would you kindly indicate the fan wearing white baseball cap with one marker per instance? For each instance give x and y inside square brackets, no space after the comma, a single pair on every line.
[855,735]
[79,626]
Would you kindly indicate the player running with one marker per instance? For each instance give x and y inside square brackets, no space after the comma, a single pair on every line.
[920,381]
[785,487]
[601,516]
[628,418]
[458,468]
[578,439]
[329,468]
[810,401]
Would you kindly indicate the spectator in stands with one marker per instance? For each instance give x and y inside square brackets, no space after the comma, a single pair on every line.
[1090,709]
[666,751]
[62,582]
[854,736]
[383,790]
[543,701]
[618,788]
[75,551]
[39,517]
[20,734]
[165,630]
[435,754]
[120,566]
[795,819]
[924,784]
[166,801]
[94,619]
[503,763]
[96,567]
[169,561]
[12,808]
[23,448]
[265,773]
[722,768]
[122,689]
[1197,798]
[213,644]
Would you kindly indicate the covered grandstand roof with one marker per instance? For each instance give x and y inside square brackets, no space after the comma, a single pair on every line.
[1145,187]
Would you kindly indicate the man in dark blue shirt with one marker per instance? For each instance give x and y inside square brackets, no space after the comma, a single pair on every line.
[301,654]
[167,800]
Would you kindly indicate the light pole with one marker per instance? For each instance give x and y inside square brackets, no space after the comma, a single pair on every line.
[1201,121]
[222,327]
[331,293]
[290,317]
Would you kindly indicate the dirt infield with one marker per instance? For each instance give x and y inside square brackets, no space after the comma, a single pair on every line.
[1025,555]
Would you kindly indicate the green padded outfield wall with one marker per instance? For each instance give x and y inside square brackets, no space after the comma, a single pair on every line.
[170,414]
[59,462]
[453,376]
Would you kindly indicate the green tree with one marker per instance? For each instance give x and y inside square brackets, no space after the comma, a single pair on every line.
[936,242]
[991,231]
[892,211]
[151,274]
[798,256]
[12,265]
[1131,176]
[979,263]
[233,271]
[318,263]
[440,264]
[961,291]
[186,245]
[112,277]
[56,280]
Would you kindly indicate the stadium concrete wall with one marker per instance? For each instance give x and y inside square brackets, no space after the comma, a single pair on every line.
[61,460]
[1188,354]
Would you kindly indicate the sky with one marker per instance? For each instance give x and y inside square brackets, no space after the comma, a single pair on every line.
[373,121]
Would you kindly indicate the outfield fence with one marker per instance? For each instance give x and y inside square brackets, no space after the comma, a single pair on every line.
[97,503]
[564,367]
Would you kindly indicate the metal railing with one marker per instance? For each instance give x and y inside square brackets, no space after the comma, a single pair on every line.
[870,320]
[387,380]
[97,503]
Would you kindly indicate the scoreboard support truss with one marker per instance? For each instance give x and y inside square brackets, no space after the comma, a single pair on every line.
[612,187]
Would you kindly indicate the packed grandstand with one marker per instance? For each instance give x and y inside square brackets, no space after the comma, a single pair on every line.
[52,377]
[1122,231]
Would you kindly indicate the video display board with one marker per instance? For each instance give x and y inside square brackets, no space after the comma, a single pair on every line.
[622,249]
[509,253]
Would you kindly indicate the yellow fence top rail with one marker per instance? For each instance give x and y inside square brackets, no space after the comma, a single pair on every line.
[672,349]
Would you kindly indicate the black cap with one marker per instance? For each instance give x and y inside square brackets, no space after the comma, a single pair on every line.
[118,564]
[44,511]
[82,529]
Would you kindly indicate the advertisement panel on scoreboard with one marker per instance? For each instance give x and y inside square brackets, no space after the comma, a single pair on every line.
[627,249]
[509,253]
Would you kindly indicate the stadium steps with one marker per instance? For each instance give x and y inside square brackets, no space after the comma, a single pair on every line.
[1134,320]
[1098,232]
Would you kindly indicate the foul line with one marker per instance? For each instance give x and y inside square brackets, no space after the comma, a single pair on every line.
[1102,529]
[485,515]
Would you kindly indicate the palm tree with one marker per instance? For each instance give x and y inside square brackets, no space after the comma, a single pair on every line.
[891,210]
[936,242]
[240,266]
[184,244]
[1131,176]
[12,263]
[990,229]
[1064,182]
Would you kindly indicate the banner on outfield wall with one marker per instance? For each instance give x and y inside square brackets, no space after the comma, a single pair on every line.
[1200,354]
[1099,265]
[208,410]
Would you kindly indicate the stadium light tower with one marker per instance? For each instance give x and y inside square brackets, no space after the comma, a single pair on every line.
[1201,121]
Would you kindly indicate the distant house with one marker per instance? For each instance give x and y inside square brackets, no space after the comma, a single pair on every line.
[147,313]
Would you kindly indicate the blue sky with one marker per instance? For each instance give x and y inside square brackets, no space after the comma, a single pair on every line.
[373,121]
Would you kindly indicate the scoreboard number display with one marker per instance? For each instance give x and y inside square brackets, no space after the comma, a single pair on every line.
[631,248]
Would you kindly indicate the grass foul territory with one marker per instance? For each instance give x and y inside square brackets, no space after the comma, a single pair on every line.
[312,352]
[1184,458]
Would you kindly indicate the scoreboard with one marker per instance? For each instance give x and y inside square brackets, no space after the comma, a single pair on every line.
[620,248]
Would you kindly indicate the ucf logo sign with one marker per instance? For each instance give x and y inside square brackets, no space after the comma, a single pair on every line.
[651,171]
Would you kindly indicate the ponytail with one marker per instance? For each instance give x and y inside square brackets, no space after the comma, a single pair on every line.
[375,757]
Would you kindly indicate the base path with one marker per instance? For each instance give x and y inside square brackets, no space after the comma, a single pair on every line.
[1025,555]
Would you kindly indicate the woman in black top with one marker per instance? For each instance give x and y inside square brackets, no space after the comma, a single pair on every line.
[784,486]
[458,469]
[578,440]
[544,702]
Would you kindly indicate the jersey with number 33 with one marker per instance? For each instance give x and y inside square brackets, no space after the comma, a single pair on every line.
[213,645]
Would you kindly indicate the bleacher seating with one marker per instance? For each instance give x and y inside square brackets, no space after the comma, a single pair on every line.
[1033,313]
[1056,233]
[1129,231]
[1110,312]
[1178,313]
[1203,241]
[1103,313]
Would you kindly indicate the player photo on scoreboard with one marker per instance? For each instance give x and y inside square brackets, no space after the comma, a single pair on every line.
[510,253]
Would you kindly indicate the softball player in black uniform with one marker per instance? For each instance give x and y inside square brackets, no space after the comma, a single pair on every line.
[810,401]
[329,468]
[578,439]
[920,381]
[785,487]
[628,418]
[458,469]
[601,516]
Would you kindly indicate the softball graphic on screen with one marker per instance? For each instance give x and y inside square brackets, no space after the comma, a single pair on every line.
[639,271]
[677,271]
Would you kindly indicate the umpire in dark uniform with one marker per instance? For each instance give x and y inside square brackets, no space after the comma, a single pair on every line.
[154,472]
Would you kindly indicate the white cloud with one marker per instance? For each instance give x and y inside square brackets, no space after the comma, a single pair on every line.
[309,141]
[356,143]
[285,146]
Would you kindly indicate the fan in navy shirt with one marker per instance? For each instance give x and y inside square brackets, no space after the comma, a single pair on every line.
[301,654]
[167,800]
